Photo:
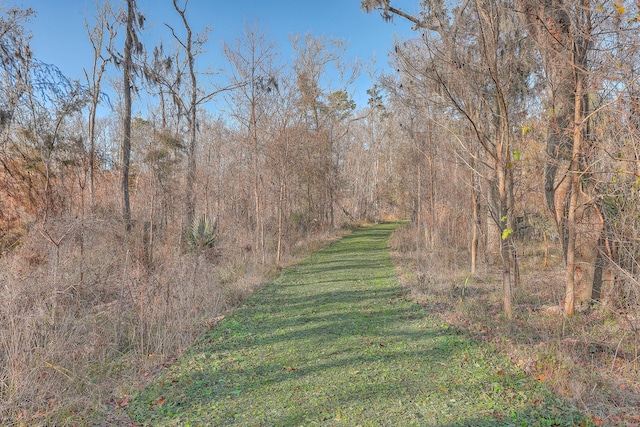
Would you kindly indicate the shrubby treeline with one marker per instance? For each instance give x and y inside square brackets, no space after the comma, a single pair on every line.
[499,81]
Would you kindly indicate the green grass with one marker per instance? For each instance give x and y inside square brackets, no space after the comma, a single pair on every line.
[335,341]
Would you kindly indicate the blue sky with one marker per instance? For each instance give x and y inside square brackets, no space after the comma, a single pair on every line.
[59,35]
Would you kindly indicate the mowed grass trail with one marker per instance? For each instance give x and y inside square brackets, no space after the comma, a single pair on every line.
[336,341]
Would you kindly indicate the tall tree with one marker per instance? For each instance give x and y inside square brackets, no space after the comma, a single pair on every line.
[256,77]
[15,61]
[585,51]
[15,65]
[102,36]
[563,42]
[181,80]
[191,111]
[473,56]
[134,21]
[324,109]
[40,102]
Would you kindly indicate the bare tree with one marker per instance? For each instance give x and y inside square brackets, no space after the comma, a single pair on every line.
[102,36]
[134,21]
[256,77]
[191,48]
[15,64]
[283,132]
[474,58]
[584,49]
[187,94]
[325,110]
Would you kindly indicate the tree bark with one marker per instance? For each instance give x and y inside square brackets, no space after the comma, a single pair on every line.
[476,220]
[126,119]
[573,271]
[190,199]
[505,240]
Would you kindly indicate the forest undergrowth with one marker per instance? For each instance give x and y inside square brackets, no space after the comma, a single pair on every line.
[90,314]
[592,358]
[335,340]
[89,317]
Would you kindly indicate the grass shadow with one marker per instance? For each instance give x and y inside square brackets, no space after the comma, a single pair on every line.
[335,340]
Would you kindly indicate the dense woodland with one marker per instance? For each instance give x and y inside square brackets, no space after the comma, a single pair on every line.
[509,136]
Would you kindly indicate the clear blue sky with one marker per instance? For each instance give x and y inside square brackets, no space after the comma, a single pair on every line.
[59,35]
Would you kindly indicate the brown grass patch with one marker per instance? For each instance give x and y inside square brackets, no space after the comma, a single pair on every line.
[88,317]
[591,358]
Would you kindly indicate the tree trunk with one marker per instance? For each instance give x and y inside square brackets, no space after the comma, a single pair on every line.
[126,120]
[283,189]
[475,232]
[92,146]
[475,209]
[432,191]
[505,241]
[259,219]
[190,205]
[94,82]
[565,50]
[573,271]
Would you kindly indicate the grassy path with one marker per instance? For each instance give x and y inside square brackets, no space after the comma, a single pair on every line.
[335,341]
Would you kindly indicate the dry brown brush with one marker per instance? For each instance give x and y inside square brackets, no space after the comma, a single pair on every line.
[592,358]
[87,314]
